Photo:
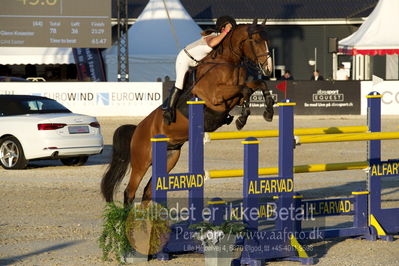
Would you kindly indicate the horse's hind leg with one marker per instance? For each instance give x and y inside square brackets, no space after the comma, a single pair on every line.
[136,176]
[173,157]
[140,162]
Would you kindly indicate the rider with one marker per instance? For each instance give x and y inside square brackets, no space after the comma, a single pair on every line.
[190,57]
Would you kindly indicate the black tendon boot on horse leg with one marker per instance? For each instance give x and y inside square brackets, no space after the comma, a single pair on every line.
[241,121]
[169,114]
[269,102]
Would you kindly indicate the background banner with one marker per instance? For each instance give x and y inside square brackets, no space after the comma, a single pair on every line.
[89,63]
[313,97]
[95,98]
[390,101]
[140,98]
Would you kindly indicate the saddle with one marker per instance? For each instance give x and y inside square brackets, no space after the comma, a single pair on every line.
[189,80]
[218,119]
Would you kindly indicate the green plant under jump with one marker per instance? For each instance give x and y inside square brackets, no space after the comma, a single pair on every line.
[122,223]
[113,239]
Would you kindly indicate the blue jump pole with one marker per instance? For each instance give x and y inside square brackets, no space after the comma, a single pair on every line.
[159,167]
[251,165]
[382,221]
[286,139]
[196,155]
[374,124]
[196,164]
[286,159]
[374,156]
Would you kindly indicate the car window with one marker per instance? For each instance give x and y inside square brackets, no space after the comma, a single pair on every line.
[32,105]
[41,106]
[10,108]
[44,106]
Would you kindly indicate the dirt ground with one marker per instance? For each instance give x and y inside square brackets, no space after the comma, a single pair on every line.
[50,214]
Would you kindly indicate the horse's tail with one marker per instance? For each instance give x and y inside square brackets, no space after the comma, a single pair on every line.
[120,161]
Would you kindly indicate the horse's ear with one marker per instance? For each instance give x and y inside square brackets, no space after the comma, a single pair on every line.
[255,22]
[264,22]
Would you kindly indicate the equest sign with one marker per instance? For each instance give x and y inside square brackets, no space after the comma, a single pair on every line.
[326,98]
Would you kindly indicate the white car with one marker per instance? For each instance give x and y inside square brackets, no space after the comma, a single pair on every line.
[35,127]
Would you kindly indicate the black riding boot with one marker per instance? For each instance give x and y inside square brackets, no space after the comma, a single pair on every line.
[169,114]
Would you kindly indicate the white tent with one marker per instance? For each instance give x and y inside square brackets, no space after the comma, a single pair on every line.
[163,28]
[35,55]
[378,35]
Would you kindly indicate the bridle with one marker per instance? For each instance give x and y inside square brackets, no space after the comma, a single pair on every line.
[259,65]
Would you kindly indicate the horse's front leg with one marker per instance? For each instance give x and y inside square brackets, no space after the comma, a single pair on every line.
[241,121]
[269,101]
[226,92]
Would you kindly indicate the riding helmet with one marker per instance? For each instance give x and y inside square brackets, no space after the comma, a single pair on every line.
[223,21]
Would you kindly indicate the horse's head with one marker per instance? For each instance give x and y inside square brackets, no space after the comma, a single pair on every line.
[255,47]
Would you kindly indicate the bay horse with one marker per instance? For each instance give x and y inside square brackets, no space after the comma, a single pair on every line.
[220,81]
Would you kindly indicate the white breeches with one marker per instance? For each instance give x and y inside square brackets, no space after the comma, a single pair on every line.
[183,62]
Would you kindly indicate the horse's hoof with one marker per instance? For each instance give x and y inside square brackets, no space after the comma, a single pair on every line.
[268,116]
[229,119]
[240,124]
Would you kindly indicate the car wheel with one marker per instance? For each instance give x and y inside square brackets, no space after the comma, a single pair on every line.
[11,154]
[75,161]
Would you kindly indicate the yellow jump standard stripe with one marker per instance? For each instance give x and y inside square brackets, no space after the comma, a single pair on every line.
[195,102]
[163,139]
[307,168]
[347,137]
[360,193]
[301,251]
[274,133]
[374,96]
[217,202]
[286,104]
[377,226]
[250,142]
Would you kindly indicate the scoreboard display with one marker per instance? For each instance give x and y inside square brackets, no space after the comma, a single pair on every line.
[55,23]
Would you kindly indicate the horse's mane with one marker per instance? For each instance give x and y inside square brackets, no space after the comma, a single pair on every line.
[220,47]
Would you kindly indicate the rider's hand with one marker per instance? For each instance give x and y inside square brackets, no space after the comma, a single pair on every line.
[227,28]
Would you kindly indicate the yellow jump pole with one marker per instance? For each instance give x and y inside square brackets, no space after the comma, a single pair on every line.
[308,168]
[347,137]
[274,133]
